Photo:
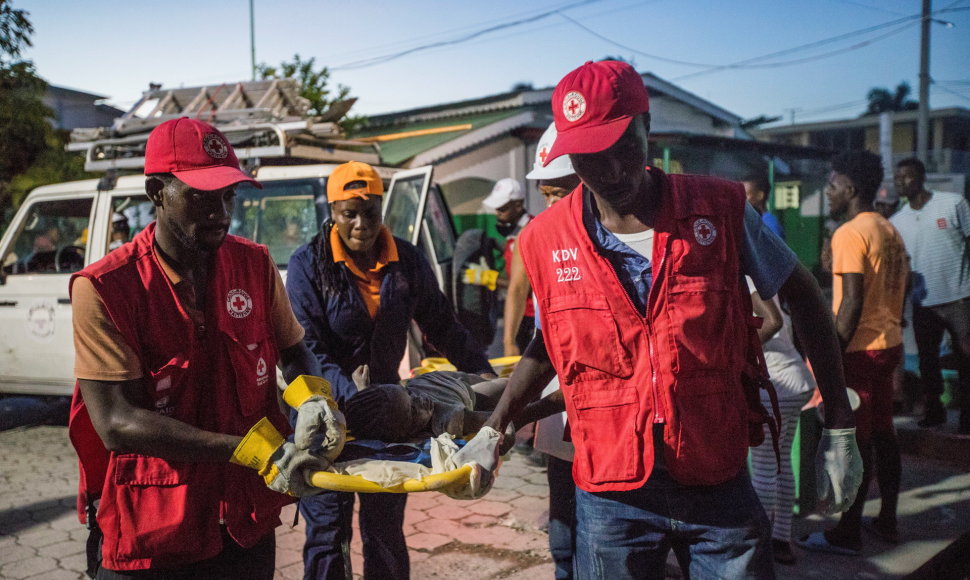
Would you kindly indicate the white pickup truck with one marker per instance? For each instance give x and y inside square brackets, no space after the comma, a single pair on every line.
[61,228]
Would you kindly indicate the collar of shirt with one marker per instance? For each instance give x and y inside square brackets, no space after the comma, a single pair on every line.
[632,269]
[183,290]
[387,251]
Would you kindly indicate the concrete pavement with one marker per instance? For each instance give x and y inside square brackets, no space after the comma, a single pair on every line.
[499,536]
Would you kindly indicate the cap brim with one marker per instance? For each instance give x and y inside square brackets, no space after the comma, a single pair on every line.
[548,173]
[496,201]
[587,139]
[211,178]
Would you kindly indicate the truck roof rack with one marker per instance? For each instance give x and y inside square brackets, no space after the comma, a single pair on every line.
[262,119]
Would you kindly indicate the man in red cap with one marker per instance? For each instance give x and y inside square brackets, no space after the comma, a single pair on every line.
[647,322]
[178,334]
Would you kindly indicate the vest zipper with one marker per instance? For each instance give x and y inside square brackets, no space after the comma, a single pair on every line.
[658,417]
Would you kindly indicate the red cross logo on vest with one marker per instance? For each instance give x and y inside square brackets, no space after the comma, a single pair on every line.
[574,106]
[704,232]
[238,303]
[262,372]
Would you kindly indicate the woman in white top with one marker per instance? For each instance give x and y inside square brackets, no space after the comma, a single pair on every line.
[794,384]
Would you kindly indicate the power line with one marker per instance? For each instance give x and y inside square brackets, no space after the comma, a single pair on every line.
[410,41]
[908,20]
[951,92]
[382,59]
[631,49]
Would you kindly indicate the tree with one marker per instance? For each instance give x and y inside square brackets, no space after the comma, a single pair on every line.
[882,100]
[25,134]
[314,88]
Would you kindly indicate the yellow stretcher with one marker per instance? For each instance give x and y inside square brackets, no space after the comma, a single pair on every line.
[434,482]
[356,483]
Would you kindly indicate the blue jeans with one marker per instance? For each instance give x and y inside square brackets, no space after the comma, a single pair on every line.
[326,553]
[562,515]
[718,531]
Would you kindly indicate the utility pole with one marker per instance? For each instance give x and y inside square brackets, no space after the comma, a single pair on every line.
[923,113]
[252,39]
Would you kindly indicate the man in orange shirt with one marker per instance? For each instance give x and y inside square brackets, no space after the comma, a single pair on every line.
[869,281]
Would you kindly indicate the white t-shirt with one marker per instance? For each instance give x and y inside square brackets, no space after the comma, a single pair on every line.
[935,238]
[786,367]
[640,242]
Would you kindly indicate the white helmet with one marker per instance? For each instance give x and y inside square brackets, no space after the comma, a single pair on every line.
[558,167]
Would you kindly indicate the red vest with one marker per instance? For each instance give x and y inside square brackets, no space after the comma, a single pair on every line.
[510,241]
[681,364]
[222,377]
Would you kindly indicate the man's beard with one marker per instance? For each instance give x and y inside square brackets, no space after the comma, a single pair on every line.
[505,229]
[189,242]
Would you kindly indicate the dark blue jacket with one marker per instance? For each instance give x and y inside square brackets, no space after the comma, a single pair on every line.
[342,335]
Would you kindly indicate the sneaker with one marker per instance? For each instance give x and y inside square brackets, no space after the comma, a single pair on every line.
[817,542]
[935,414]
[783,552]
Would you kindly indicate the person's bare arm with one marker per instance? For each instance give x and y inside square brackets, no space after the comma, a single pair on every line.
[532,373]
[850,310]
[125,425]
[551,404]
[515,300]
[769,314]
[812,321]
[298,360]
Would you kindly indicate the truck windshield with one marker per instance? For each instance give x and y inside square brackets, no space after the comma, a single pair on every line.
[283,215]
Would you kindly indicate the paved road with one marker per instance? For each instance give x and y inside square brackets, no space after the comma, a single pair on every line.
[499,536]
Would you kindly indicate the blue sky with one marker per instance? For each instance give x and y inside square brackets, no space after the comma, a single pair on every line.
[117,48]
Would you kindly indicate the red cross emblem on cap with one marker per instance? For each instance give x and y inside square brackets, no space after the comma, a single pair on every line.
[574,106]
[214,146]
[543,153]
[238,303]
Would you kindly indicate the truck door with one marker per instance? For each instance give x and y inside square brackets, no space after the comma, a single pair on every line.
[46,243]
[415,210]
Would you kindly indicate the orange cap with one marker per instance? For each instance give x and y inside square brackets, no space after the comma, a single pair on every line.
[348,173]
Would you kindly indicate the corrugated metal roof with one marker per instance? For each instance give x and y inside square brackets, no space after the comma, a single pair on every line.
[399,144]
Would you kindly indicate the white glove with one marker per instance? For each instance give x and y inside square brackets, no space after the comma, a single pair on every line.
[838,470]
[482,454]
[320,426]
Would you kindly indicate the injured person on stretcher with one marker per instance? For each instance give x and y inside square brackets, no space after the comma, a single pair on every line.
[411,436]
[424,406]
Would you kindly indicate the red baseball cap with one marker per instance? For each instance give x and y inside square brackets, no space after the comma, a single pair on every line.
[196,153]
[593,105]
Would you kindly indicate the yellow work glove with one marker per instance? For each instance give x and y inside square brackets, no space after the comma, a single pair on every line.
[481,275]
[320,426]
[285,467]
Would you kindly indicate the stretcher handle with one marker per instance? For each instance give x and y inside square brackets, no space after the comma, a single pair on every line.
[356,483]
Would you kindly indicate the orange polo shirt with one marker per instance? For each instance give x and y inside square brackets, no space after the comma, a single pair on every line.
[369,282]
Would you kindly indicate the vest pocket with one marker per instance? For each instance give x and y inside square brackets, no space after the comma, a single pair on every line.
[583,330]
[159,515]
[253,358]
[710,429]
[608,445]
[167,385]
[699,324]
